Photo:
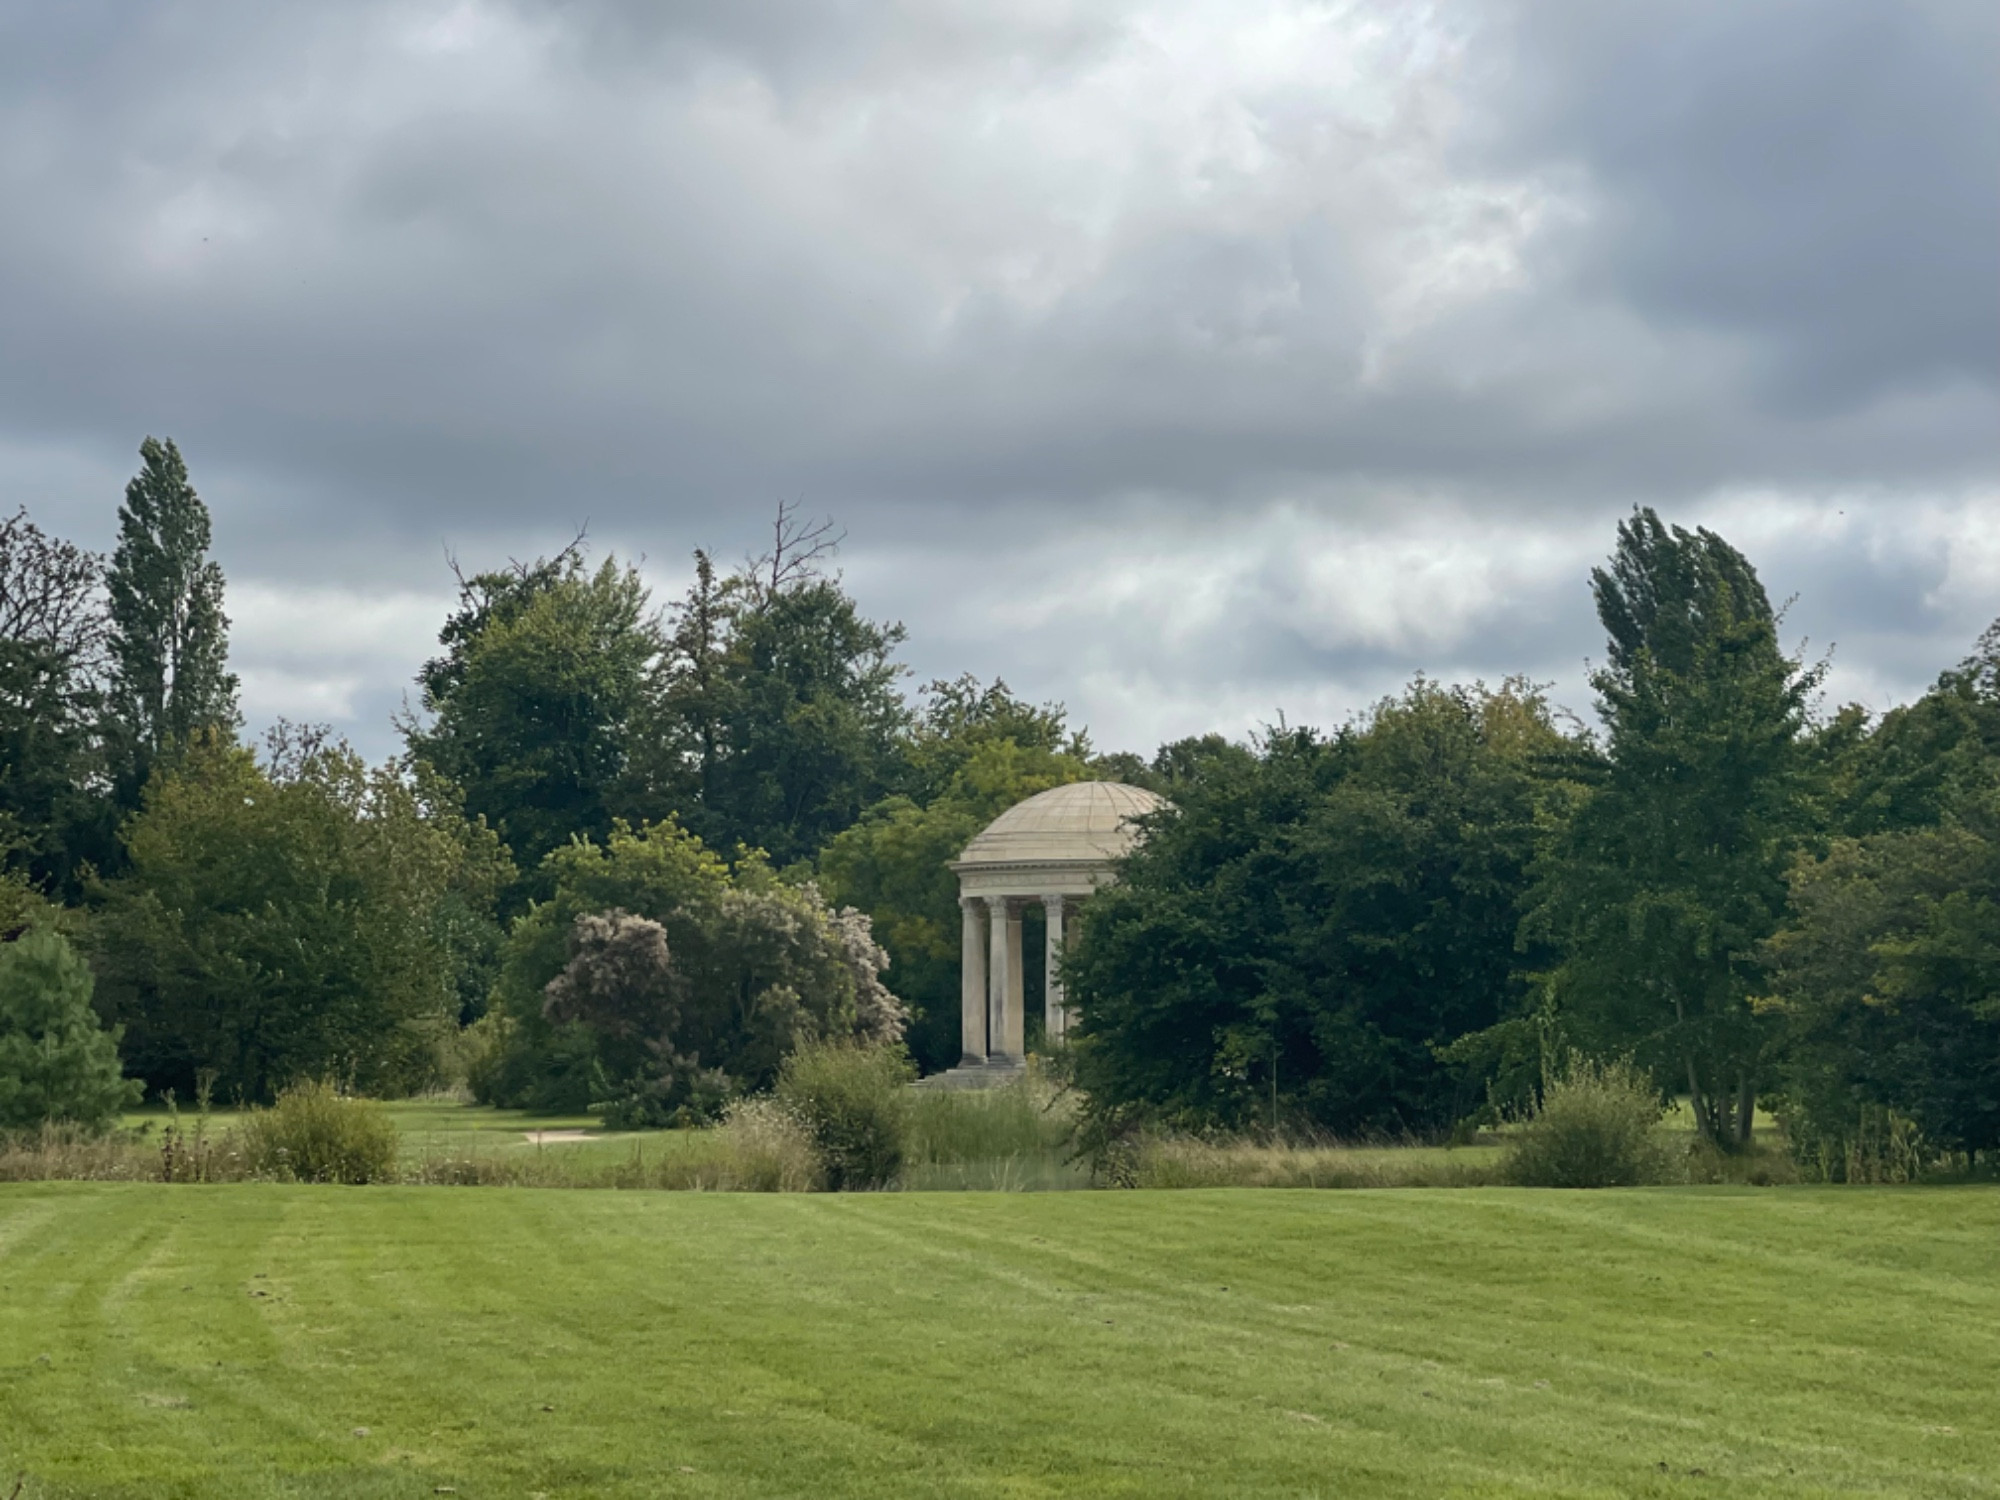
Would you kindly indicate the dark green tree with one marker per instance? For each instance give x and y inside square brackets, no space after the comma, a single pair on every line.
[1319,918]
[52,658]
[289,921]
[1660,889]
[57,1062]
[814,721]
[534,707]
[1886,982]
[169,642]
[776,717]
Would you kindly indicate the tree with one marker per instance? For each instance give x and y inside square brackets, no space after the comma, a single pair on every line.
[57,1063]
[1886,980]
[775,718]
[536,703]
[1661,887]
[656,982]
[813,721]
[169,636]
[1319,918]
[52,657]
[1884,976]
[288,922]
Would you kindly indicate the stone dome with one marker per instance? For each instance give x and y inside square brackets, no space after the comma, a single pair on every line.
[1084,822]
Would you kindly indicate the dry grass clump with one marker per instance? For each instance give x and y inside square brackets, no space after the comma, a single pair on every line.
[1170,1161]
[62,1153]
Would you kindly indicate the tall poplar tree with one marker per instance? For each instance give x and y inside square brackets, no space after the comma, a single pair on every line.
[1662,888]
[169,636]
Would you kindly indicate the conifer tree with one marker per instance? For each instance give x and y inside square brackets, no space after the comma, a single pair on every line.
[169,636]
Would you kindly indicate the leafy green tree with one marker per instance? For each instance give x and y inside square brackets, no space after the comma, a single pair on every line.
[776,717]
[1661,887]
[1319,918]
[814,721]
[169,636]
[535,704]
[1921,759]
[52,657]
[287,923]
[57,1062]
[655,982]
[1887,984]
[959,717]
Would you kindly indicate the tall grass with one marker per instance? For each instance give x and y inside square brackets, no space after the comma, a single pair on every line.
[1186,1162]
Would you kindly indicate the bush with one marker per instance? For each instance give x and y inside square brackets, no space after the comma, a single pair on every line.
[1598,1126]
[854,1103]
[57,1062]
[767,1150]
[312,1134]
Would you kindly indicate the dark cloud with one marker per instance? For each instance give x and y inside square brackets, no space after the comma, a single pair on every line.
[1187,359]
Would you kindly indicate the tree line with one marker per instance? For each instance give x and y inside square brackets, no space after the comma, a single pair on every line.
[629,856]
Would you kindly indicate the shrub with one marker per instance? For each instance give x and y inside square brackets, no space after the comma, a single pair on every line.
[1598,1126]
[767,1150]
[854,1103]
[57,1062]
[312,1134]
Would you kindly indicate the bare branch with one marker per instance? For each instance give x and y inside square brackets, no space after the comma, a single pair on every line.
[798,546]
[49,592]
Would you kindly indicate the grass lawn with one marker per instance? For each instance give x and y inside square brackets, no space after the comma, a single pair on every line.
[259,1339]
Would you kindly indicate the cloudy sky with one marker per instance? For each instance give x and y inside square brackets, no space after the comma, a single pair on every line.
[1190,361]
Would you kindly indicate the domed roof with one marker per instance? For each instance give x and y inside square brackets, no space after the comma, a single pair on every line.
[1084,821]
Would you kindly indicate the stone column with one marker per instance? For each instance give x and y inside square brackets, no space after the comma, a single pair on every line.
[1055,1020]
[1004,1029]
[972,982]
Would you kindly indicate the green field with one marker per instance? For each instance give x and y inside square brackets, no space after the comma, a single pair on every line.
[261,1339]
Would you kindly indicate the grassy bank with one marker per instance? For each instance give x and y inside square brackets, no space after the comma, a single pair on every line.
[279,1340]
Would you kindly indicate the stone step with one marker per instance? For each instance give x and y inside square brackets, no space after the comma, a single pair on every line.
[991,1074]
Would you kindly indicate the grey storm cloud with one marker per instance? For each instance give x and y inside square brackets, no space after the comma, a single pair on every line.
[1190,360]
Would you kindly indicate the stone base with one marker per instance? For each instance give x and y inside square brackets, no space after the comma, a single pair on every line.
[970,1074]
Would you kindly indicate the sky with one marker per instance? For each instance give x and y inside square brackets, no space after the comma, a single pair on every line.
[1191,362]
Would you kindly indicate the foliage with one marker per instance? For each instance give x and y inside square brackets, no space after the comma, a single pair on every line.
[535,704]
[313,1133]
[894,863]
[57,1063]
[169,636]
[808,727]
[285,923]
[1670,873]
[1318,919]
[1921,760]
[854,1103]
[655,982]
[52,657]
[1597,1126]
[1887,982]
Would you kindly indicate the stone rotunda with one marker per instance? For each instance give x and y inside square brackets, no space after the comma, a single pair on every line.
[1056,848]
